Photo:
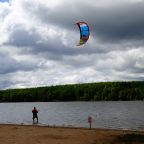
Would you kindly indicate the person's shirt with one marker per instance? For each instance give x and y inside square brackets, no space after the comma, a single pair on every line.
[34,111]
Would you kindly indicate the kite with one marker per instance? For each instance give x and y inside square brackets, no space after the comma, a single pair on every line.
[84,32]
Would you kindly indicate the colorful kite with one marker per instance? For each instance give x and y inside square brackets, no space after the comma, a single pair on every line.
[84,32]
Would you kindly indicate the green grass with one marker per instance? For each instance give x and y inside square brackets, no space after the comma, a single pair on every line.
[131,138]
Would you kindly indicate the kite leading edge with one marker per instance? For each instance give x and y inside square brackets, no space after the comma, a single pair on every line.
[84,32]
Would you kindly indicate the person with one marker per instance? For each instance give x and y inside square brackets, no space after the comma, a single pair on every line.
[35,111]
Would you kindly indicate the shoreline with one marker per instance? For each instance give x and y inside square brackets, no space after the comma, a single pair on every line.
[72,127]
[29,134]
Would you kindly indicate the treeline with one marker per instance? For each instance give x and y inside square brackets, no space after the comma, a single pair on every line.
[104,91]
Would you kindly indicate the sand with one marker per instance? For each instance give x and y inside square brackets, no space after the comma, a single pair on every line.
[21,134]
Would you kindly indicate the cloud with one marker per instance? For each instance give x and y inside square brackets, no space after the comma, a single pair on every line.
[39,38]
[116,22]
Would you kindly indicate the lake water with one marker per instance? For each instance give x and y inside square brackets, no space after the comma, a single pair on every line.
[121,115]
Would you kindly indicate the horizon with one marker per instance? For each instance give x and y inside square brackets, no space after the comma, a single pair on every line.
[70,84]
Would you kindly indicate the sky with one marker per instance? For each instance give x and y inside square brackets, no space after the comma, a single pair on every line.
[38,42]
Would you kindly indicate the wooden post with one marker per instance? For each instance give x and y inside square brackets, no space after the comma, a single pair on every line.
[90,121]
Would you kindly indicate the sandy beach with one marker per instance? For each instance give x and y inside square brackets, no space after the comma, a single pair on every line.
[22,134]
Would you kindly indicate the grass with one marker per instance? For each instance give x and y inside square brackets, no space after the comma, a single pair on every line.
[127,138]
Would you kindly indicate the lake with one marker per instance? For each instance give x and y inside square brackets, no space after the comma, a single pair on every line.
[121,114]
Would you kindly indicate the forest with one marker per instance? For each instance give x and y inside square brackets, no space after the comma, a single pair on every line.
[101,91]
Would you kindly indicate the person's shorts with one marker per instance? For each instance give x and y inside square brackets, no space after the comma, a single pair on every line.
[35,116]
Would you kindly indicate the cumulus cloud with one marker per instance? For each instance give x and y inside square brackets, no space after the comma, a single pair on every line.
[39,38]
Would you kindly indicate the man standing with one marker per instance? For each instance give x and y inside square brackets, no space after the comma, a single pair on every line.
[35,111]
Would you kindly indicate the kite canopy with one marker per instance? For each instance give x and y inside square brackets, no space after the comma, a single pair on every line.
[84,32]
